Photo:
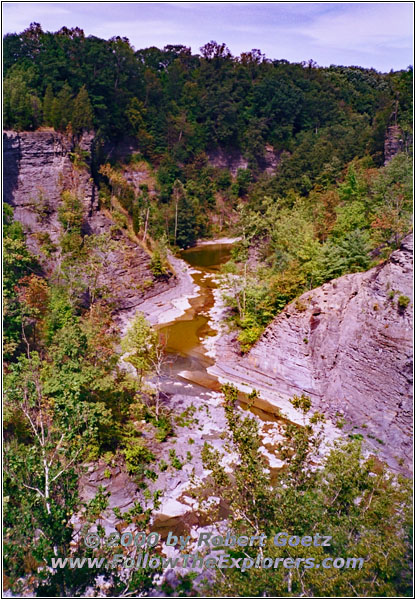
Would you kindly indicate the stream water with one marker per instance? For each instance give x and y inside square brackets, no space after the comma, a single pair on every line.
[187,359]
[183,337]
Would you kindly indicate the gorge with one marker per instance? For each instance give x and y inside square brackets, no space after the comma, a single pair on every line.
[208,302]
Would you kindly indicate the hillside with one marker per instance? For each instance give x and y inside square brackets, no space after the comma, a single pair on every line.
[174,222]
[348,345]
[39,168]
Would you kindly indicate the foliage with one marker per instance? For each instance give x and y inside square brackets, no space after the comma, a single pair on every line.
[403,302]
[300,243]
[66,401]
[137,455]
[140,344]
[83,115]
[328,209]
[174,460]
[178,105]
[365,510]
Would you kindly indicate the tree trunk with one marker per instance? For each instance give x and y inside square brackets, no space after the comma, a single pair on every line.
[176,219]
[145,225]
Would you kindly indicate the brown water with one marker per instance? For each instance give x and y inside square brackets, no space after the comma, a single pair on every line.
[183,337]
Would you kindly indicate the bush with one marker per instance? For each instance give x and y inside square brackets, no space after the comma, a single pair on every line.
[403,302]
[251,331]
[156,264]
[174,460]
[136,456]
[164,428]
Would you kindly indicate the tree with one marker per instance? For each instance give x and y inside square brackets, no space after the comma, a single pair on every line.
[213,50]
[22,107]
[62,108]
[364,509]
[47,105]
[140,345]
[178,193]
[185,218]
[18,263]
[136,114]
[40,466]
[391,194]
[157,265]
[83,114]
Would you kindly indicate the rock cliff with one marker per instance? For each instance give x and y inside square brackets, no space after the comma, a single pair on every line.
[38,166]
[348,345]
[393,143]
[234,160]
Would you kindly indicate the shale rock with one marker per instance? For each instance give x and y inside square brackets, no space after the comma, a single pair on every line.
[348,345]
[38,166]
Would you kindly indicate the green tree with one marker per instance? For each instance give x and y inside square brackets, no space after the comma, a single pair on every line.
[47,105]
[17,264]
[62,108]
[365,509]
[157,264]
[83,115]
[22,107]
[186,222]
[40,466]
[140,345]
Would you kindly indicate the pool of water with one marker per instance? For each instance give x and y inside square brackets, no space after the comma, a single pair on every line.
[208,258]
[184,335]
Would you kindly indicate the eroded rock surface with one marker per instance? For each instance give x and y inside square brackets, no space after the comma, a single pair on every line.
[37,168]
[348,345]
[234,160]
[393,143]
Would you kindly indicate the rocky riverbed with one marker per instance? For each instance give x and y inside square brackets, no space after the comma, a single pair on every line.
[191,316]
[203,353]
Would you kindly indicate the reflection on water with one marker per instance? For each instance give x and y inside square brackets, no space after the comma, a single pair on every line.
[208,258]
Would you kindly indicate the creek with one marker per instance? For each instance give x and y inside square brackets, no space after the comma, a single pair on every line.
[183,338]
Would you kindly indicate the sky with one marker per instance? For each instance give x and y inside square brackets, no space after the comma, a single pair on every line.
[368,34]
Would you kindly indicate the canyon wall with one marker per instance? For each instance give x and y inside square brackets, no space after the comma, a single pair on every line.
[348,345]
[233,160]
[38,166]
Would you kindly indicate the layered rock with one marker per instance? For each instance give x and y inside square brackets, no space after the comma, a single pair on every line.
[393,143]
[38,166]
[348,345]
[232,160]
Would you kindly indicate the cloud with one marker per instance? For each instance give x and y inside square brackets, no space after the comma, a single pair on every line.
[370,34]
[361,26]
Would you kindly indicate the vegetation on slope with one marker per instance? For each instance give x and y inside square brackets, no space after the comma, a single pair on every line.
[291,244]
[330,208]
[365,511]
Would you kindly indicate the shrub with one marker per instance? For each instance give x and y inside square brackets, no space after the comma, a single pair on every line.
[174,460]
[136,456]
[403,302]
[164,428]
[120,219]
[251,331]
[163,465]
[156,264]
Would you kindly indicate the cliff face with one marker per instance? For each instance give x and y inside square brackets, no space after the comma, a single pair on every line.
[393,143]
[37,168]
[234,160]
[348,346]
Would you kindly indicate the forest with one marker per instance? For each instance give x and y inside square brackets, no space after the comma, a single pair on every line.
[330,208]
[334,203]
